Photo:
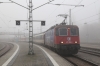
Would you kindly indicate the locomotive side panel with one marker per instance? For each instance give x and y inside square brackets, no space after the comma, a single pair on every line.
[39,38]
[49,38]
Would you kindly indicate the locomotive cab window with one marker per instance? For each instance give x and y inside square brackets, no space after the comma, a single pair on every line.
[57,32]
[74,31]
[62,31]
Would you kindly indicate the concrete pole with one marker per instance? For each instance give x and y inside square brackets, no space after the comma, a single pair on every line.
[41,29]
[69,16]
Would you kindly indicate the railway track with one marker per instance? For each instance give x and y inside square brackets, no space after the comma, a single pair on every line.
[91,51]
[80,61]
[77,61]
[2,47]
[5,49]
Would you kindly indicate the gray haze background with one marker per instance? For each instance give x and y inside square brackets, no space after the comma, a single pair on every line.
[87,18]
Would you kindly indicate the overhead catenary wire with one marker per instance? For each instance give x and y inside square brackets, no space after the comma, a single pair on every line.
[42,5]
[6,15]
[58,6]
[88,17]
[80,2]
[91,21]
[27,10]
[27,16]
[18,4]
[26,2]
[87,6]
[77,4]
[4,22]
[53,11]
[74,7]
[6,19]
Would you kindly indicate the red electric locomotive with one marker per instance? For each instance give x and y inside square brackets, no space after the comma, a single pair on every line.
[62,38]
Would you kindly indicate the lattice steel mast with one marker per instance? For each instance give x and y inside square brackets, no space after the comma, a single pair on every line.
[30,28]
[31,52]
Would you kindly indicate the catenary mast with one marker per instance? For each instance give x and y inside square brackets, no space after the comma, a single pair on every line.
[31,52]
[30,29]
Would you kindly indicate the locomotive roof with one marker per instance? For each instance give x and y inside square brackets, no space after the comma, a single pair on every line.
[55,26]
[39,34]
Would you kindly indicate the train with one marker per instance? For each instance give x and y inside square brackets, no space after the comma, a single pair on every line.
[62,38]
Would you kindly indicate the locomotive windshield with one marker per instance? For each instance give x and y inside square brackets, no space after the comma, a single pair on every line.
[61,31]
[74,31]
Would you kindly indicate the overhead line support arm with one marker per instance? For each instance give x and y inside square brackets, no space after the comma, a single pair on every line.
[19,4]
[42,5]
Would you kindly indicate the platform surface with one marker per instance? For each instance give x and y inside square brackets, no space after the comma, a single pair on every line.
[5,57]
[1,46]
[90,45]
[39,58]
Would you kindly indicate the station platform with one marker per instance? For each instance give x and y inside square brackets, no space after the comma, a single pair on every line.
[42,57]
[5,57]
[90,45]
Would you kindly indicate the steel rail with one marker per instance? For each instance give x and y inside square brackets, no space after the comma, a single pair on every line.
[91,51]
[5,49]
[77,61]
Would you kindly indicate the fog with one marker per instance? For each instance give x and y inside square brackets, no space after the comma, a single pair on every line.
[87,18]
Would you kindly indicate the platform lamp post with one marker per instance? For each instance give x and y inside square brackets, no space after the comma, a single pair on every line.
[69,10]
[87,34]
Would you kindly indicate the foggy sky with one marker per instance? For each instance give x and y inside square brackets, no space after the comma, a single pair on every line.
[87,17]
[9,12]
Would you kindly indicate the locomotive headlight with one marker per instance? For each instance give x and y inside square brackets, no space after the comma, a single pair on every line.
[75,41]
[68,28]
[62,42]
